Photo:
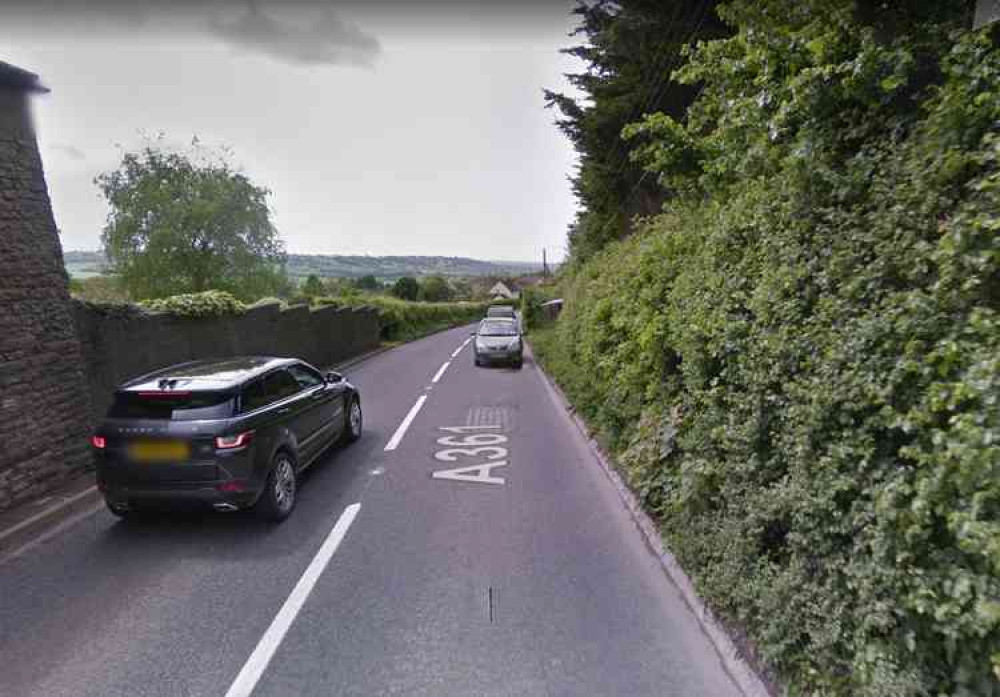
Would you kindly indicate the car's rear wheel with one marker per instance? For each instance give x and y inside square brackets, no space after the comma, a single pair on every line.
[121,510]
[354,421]
[127,511]
[280,492]
[519,363]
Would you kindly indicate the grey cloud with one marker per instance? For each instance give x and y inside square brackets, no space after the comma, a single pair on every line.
[328,40]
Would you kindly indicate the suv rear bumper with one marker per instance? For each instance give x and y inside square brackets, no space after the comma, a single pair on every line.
[179,494]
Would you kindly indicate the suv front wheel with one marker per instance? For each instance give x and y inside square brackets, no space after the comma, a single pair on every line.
[353,421]
[279,496]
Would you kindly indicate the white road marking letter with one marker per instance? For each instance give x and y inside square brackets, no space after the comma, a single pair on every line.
[476,473]
[401,431]
[464,429]
[440,372]
[451,454]
[473,439]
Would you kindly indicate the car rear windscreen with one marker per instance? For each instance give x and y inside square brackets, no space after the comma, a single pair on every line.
[172,406]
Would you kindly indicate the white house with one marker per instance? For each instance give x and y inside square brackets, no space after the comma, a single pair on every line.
[501,291]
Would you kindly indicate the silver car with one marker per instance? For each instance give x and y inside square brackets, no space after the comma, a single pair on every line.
[498,340]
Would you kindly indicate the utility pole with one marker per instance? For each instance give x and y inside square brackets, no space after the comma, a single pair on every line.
[545,265]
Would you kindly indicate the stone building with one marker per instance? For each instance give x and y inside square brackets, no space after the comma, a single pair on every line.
[43,395]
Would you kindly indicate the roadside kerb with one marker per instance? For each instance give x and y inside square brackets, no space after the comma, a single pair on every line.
[742,673]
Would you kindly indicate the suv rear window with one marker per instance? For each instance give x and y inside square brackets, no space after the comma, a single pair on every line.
[179,406]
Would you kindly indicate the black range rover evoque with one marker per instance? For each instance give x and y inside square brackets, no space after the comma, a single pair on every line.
[228,433]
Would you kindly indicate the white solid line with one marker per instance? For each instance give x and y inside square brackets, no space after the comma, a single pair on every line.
[245,682]
[48,511]
[48,535]
[440,372]
[401,431]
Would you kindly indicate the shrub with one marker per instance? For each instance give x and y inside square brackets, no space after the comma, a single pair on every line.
[403,320]
[211,303]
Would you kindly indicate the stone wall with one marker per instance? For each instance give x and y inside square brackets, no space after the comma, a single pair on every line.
[119,343]
[44,404]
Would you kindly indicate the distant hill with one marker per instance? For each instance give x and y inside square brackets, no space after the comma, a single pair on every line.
[84,264]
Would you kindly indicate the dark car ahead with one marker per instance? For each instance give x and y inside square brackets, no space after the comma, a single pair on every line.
[498,340]
[229,433]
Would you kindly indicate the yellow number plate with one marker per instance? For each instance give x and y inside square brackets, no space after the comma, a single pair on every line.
[163,451]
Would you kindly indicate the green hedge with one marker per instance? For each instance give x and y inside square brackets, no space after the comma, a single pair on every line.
[402,320]
[798,364]
[211,303]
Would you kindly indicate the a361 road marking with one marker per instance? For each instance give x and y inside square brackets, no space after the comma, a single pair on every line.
[479,445]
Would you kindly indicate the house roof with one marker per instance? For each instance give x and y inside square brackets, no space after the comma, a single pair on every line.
[17,78]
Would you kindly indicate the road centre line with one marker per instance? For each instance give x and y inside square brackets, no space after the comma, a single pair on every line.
[401,431]
[440,372]
[459,349]
[247,679]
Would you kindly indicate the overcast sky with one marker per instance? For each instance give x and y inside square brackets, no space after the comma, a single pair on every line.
[380,128]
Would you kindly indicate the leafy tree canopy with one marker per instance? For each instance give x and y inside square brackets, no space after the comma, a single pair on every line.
[629,50]
[435,289]
[313,286]
[406,288]
[367,282]
[186,222]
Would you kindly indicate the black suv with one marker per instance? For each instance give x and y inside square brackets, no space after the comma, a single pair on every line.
[230,433]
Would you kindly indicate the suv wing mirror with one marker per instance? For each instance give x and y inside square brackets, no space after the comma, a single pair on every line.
[333,376]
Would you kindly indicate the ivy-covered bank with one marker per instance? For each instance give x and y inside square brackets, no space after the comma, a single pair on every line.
[797,364]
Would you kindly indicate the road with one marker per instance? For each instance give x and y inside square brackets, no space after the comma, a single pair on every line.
[527,578]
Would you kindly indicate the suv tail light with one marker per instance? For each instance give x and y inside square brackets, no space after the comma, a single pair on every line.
[235,441]
[98,442]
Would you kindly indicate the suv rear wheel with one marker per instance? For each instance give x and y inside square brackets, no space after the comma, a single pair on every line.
[119,509]
[279,496]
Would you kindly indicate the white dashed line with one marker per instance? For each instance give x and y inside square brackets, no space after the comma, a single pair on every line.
[401,431]
[440,372]
[245,682]
[459,349]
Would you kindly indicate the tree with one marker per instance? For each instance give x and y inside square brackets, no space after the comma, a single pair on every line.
[368,283]
[406,288]
[312,287]
[435,289]
[629,48]
[185,222]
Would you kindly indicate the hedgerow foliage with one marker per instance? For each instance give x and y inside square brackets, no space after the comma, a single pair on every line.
[403,320]
[797,362]
[210,303]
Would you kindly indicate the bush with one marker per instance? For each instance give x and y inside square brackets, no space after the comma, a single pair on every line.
[211,303]
[406,288]
[532,298]
[797,364]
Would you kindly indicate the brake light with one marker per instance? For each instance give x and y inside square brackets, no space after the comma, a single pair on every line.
[234,441]
[98,442]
